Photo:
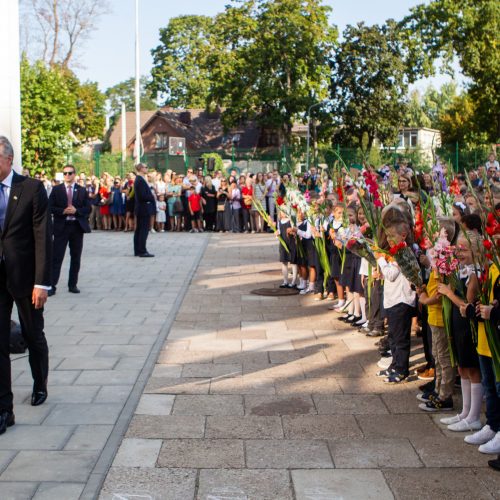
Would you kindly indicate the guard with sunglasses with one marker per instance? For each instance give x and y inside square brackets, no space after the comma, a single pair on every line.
[70,206]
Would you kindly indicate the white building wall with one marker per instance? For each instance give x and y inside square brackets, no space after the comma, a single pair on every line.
[10,92]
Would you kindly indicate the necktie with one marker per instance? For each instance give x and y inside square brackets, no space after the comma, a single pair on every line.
[70,196]
[3,205]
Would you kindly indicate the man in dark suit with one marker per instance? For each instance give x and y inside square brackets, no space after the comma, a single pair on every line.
[25,257]
[70,205]
[145,207]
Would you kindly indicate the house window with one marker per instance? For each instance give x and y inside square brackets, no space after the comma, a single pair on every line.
[161,141]
[408,139]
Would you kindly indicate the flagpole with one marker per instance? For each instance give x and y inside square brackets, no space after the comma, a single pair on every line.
[138,139]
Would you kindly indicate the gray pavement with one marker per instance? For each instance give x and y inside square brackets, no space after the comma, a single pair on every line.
[167,387]
[103,345]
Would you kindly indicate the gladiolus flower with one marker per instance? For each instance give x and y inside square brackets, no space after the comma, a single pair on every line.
[487,244]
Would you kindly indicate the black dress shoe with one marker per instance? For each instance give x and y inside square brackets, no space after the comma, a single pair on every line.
[7,419]
[52,292]
[73,289]
[353,320]
[147,254]
[38,398]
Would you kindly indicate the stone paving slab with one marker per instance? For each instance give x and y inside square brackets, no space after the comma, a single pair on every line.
[100,342]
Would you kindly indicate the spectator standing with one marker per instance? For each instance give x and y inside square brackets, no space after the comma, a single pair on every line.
[209,195]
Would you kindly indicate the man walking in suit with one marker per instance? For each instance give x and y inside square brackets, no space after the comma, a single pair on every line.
[25,257]
[70,205]
[145,207]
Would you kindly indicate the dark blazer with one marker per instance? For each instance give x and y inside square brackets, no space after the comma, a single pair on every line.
[145,203]
[58,201]
[26,241]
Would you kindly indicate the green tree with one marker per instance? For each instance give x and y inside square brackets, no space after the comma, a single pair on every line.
[49,111]
[180,75]
[369,85]
[125,92]
[467,30]
[272,61]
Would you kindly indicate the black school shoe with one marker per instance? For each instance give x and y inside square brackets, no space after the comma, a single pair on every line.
[436,404]
[495,463]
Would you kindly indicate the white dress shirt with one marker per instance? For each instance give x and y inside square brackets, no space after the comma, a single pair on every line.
[397,289]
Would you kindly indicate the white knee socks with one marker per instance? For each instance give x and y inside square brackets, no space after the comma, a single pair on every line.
[295,270]
[466,397]
[284,272]
[476,400]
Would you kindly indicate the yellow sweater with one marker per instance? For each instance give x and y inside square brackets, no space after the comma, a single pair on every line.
[434,311]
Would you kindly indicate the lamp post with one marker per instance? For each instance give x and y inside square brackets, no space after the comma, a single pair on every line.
[309,129]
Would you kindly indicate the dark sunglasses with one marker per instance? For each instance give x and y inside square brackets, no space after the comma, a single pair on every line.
[68,173]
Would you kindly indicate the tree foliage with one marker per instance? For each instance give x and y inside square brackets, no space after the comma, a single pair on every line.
[124,92]
[467,30]
[58,111]
[48,113]
[180,72]
[259,59]
[273,61]
[369,85]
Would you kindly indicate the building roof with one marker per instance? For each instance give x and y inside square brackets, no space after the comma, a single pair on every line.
[202,130]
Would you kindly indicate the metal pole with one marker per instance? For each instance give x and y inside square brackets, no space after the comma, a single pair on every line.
[138,140]
[308,138]
[456,156]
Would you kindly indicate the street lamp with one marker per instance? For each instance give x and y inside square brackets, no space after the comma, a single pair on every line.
[309,129]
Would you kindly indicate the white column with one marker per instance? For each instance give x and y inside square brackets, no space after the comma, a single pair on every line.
[10,85]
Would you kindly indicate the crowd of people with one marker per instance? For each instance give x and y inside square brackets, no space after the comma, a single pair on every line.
[397,251]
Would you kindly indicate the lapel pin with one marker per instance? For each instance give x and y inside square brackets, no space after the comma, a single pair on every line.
[15,197]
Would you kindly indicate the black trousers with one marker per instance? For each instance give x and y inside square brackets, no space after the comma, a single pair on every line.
[31,320]
[71,235]
[399,318]
[247,222]
[209,220]
[141,234]
[374,309]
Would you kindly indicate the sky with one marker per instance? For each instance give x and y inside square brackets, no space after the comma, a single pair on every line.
[108,57]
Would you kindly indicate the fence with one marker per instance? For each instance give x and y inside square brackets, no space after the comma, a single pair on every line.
[286,160]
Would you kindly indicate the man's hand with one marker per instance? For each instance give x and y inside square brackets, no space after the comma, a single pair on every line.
[70,210]
[484,311]
[39,297]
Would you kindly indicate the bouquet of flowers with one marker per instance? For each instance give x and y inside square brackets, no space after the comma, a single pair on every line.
[361,248]
[407,262]
[270,222]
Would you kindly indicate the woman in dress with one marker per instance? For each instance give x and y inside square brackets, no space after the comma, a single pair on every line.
[117,205]
[223,222]
[259,194]
[209,195]
[105,193]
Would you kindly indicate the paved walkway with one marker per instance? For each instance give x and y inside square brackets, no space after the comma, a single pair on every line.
[250,398]
[103,345]
[273,398]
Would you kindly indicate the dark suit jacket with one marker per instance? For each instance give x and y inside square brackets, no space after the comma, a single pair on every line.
[145,203]
[26,241]
[58,201]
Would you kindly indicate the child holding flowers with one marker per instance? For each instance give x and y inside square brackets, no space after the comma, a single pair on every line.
[442,399]
[399,297]
[288,255]
[465,291]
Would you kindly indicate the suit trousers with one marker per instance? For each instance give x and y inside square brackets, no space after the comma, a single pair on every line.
[32,325]
[141,234]
[71,235]
[399,319]
[374,309]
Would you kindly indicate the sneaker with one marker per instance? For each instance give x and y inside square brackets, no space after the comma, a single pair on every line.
[192,231]
[480,437]
[425,397]
[375,333]
[384,363]
[464,426]
[305,291]
[384,373]
[437,405]
[421,369]
[318,297]
[284,285]
[427,374]
[395,378]
[492,447]
[450,420]
[153,231]
[495,463]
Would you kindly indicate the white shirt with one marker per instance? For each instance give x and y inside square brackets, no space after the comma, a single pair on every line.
[397,289]
[7,182]
[216,183]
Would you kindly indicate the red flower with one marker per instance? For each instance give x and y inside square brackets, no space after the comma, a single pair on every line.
[280,201]
[396,248]
[488,256]
[487,244]
[340,194]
